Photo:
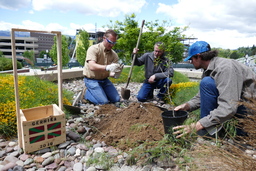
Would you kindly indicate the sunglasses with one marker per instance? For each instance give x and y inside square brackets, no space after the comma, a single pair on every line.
[110,42]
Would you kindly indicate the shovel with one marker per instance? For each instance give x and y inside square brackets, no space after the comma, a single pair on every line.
[125,93]
[74,109]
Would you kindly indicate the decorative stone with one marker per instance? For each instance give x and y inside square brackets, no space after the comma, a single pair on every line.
[78,166]
[46,155]
[38,159]
[48,161]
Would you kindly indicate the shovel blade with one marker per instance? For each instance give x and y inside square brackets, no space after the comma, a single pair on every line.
[125,93]
[72,109]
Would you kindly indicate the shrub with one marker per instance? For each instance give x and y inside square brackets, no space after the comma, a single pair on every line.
[6,64]
[33,92]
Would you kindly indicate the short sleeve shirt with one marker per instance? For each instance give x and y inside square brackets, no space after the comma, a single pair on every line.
[101,56]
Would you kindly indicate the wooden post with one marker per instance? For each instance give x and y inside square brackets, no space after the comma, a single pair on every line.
[59,56]
[16,88]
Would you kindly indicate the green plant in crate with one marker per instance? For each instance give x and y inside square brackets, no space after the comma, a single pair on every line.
[33,92]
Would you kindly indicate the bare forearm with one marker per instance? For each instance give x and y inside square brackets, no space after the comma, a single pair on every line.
[93,66]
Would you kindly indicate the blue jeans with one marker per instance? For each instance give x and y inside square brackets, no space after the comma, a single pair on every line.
[146,90]
[209,101]
[100,91]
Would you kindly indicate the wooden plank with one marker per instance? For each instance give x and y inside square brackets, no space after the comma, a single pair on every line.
[16,88]
[38,31]
[59,57]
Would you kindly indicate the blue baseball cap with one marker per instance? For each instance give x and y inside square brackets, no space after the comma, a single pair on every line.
[197,47]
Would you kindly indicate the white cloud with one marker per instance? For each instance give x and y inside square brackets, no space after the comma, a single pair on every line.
[32,25]
[7,26]
[228,24]
[110,8]
[31,12]
[71,30]
[14,4]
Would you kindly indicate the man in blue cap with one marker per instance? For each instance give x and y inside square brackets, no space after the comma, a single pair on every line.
[225,83]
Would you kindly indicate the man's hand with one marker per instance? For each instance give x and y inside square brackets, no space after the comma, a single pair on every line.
[135,51]
[185,129]
[114,67]
[152,79]
[184,106]
[117,74]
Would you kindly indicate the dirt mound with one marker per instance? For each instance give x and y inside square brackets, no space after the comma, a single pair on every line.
[128,127]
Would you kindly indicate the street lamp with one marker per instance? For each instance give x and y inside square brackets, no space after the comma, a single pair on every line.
[46,58]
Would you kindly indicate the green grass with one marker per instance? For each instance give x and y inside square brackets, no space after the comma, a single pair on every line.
[137,75]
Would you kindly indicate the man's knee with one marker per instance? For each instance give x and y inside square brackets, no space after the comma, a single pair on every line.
[207,82]
[141,99]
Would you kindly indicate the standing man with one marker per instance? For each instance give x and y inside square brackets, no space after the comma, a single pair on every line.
[157,73]
[224,83]
[102,62]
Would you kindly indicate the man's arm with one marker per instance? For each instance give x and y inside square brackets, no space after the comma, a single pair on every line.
[93,66]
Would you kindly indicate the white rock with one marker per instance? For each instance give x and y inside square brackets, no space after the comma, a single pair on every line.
[12,143]
[78,152]
[46,155]
[78,167]
[99,150]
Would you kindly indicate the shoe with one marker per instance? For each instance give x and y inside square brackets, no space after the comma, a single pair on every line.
[151,95]
[159,100]
[83,100]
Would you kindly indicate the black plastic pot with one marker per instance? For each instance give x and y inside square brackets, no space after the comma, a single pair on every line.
[173,118]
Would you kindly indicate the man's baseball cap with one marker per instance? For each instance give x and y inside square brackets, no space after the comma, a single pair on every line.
[197,47]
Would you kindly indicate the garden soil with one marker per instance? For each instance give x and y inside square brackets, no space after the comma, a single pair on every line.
[126,128]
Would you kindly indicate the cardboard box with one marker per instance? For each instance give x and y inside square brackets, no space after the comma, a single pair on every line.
[42,127]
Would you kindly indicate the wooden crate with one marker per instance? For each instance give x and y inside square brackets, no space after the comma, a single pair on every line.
[42,127]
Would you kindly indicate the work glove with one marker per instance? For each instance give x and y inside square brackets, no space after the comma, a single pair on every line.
[114,67]
[117,74]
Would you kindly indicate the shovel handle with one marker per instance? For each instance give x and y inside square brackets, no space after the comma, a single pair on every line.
[134,55]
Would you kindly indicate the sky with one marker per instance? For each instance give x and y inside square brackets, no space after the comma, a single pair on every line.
[227,24]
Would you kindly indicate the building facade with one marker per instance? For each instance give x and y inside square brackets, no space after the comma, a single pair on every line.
[36,42]
[45,41]
[22,44]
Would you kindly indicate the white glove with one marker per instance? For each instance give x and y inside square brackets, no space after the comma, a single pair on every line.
[116,74]
[114,67]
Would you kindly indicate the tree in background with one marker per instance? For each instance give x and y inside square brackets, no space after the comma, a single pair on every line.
[29,54]
[173,45]
[225,53]
[42,53]
[71,45]
[82,46]
[253,50]
[29,57]
[128,32]
[234,55]
[65,51]
[1,54]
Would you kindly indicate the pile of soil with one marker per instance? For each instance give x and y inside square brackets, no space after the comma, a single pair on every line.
[128,127]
